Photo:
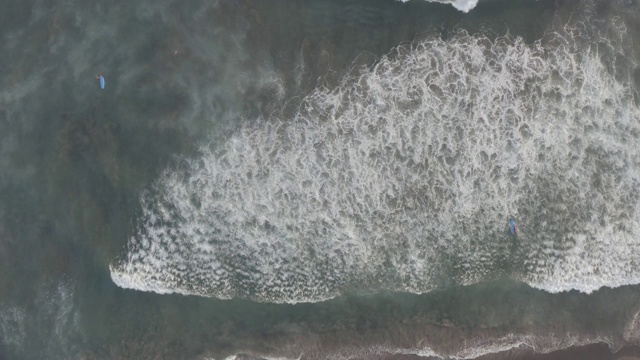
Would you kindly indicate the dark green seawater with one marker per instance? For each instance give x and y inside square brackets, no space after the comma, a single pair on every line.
[319,179]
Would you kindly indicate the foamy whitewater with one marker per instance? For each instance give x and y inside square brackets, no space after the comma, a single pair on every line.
[404,177]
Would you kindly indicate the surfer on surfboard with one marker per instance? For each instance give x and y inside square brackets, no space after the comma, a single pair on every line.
[101,80]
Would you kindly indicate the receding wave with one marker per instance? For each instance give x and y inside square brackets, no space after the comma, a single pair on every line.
[404,176]
[472,349]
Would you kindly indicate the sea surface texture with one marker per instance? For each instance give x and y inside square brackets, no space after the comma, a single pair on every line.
[319,179]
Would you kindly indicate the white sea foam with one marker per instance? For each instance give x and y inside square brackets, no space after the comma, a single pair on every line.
[12,327]
[462,5]
[632,329]
[472,349]
[55,303]
[403,178]
[482,347]
[57,323]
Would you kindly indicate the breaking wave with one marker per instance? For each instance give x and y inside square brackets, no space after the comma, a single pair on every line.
[462,5]
[403,178]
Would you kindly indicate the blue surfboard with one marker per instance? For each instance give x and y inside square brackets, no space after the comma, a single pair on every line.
[101,82]
[512,227]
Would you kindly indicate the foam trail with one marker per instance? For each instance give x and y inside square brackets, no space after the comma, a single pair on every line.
[403,178]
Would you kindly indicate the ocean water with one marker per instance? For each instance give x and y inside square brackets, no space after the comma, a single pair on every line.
[319,179]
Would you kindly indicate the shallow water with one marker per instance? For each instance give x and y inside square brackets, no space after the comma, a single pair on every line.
[329,178]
